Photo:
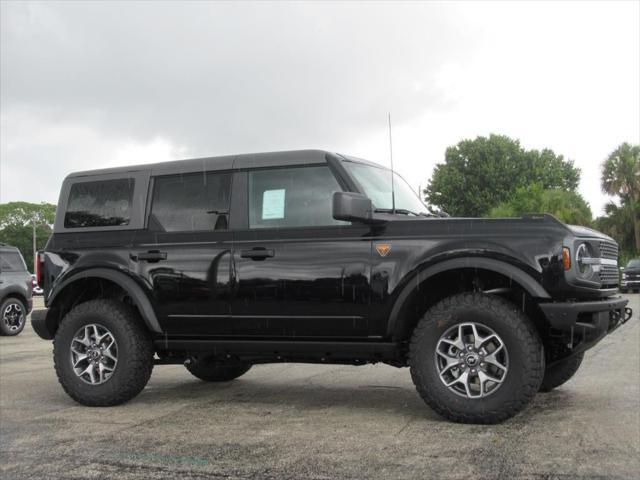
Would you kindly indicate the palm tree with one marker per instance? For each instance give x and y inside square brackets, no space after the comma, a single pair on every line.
[621,177]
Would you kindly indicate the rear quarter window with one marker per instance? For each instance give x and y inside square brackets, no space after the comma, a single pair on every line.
[104,203]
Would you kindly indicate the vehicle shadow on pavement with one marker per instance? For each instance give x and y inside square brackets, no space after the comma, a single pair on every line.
[400,401]
[242,393]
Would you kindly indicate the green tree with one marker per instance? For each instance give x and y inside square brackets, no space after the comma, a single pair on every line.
[569,207]
[16,226]
[621,178]
[480,174]
[617,223]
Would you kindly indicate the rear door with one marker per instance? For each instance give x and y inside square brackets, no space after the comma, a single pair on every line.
[298,272]
[185,252]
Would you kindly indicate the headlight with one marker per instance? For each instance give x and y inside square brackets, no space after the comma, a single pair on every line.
[624,275]
[582,264]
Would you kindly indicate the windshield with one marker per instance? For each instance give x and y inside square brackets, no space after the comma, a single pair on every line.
[634,263]
[376,183]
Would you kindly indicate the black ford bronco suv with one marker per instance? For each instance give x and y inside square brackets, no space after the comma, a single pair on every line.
[223,263]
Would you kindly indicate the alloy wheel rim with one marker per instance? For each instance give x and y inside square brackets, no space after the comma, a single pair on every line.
[472,360]
[94,354]
[13,316]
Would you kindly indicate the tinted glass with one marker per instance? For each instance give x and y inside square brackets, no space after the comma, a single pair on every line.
[198,201]
[105,203]
[633,264]
[376,183]
[292,197]
[12,262]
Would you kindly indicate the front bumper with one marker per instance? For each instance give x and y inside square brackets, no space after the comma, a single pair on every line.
[587,321]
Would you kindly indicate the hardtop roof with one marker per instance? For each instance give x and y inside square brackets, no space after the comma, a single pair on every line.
[227,162]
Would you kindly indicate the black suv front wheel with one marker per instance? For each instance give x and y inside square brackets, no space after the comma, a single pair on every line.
[103,355]
[561,372]
[476,358]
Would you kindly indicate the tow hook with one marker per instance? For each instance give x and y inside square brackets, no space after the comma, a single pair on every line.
[627,315]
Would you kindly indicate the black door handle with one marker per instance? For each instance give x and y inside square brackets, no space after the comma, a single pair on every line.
[151,256]
[257,253]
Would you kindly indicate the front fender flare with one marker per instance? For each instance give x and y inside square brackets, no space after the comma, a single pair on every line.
[135,291]
[519,276]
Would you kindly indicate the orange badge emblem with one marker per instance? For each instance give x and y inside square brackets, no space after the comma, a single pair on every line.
[383,249]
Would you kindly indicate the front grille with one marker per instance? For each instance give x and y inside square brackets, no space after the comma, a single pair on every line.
[609,250]
[609,275]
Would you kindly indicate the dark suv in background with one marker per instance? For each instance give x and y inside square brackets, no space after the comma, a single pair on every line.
[15,291]
[223,263]
[631,276]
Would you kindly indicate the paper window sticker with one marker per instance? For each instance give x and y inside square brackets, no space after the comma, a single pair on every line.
[273,204]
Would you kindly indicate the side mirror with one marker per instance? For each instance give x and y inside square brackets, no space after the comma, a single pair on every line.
[352,207]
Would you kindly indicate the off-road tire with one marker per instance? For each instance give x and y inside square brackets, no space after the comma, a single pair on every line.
[561,372]
[4,328]
[135,353]
[525,351]
[210,370]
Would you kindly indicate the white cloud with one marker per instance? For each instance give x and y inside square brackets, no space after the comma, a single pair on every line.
[158,150]
[85,85]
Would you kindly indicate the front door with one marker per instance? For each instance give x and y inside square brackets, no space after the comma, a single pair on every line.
[298,272]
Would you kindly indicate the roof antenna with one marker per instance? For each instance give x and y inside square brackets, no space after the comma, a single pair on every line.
[393,195]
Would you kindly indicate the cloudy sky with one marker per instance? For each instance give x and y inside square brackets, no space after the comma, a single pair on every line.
[89,84]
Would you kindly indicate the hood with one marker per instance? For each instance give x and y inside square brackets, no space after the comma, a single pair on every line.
[580,231]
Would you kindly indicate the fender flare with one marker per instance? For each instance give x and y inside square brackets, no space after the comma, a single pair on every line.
[135,291]
[519,276]
[16,293]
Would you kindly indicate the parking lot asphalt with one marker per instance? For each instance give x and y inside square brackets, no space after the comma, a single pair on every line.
[286,421]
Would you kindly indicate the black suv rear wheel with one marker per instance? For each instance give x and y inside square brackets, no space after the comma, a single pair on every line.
[476,358]
[211,370]
[103,355]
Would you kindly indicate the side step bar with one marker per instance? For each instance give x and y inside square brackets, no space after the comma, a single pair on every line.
[283,349]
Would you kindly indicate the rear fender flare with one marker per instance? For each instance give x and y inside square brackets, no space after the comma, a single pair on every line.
[135,291]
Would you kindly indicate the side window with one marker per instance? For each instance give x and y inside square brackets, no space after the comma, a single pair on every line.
[12,262]
[196,201]
[105,203]
[292,197]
